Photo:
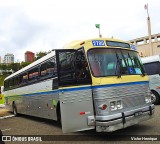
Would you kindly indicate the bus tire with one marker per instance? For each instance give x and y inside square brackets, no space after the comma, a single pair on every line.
[59,115]
[14,108]
[155,97]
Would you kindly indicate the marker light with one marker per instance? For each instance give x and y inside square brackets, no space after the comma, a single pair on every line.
[82,43]
[82,113]
[103,107]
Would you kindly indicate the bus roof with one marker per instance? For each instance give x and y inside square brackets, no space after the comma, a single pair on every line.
[72,45]
[79,43]
[150,59]
[46,57]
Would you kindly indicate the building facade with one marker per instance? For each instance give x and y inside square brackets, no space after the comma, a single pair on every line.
[143,45]
[8,58]
[29,56]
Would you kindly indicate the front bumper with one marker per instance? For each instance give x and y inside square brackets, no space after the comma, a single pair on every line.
[121,120]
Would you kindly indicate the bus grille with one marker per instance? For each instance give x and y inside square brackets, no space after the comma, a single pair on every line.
[131,95]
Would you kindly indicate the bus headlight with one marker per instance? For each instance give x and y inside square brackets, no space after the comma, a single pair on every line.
[114,105]
[148,99]
[119,104]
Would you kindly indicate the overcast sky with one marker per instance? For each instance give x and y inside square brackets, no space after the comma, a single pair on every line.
[42,25]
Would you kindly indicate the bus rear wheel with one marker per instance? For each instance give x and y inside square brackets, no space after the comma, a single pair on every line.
[155,97]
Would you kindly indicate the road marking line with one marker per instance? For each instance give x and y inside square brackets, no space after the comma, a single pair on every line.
[6,129]
[4,117]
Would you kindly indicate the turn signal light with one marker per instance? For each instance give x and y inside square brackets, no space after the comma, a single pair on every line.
[103,106]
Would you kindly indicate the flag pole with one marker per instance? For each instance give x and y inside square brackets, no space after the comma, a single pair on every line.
[99,33]
[98,26]
[149,30]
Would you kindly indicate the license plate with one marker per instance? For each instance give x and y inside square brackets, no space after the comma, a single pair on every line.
[138,113]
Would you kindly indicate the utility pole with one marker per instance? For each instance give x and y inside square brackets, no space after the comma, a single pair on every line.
[149,30]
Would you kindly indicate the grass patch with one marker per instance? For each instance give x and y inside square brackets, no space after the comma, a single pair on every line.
[2,77]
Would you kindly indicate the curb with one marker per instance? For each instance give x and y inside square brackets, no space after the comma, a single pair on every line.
[2,105]
[4,117]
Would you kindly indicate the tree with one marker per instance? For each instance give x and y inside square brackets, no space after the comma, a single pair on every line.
[24,64]
[15,66]
[4,67]
[40,55]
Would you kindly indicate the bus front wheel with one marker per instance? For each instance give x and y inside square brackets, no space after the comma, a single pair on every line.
[14,109]
[155,97]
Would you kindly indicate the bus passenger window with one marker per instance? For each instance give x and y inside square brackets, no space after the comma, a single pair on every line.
[16,81]
[48,69]
[25,78]
[11,83]
[43,71]
[51,68]
[6,86]
[33,74]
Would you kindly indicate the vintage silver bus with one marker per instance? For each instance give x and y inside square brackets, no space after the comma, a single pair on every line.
[92,84]
[152,67]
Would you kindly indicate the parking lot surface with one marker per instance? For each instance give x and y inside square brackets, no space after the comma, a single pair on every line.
[49,130]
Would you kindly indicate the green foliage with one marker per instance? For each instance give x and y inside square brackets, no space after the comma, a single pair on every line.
[14,66]
[24,64]
[17,66]
[40,55]
[2,77]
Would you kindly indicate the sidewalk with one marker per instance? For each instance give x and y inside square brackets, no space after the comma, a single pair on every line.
[4,111]
[2,105]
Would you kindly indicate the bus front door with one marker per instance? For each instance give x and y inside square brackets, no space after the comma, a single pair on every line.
[76,103]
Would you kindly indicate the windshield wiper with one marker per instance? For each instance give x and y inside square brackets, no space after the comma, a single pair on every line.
[141,66]
[131,62]
[118,66]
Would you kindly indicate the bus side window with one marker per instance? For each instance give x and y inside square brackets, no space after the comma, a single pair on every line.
[34,74]
[51,68]
[43,71]
[25,78]
[6,86]
[48,69]
[16,81]
[152,68]
[11,83]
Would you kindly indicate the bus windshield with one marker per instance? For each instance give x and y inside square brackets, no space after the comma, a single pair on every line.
[152,68]
[114,62]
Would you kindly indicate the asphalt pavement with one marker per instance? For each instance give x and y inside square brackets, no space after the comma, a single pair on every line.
[49,130]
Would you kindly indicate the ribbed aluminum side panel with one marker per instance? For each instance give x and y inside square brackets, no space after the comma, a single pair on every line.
[73,103]
[77,96]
